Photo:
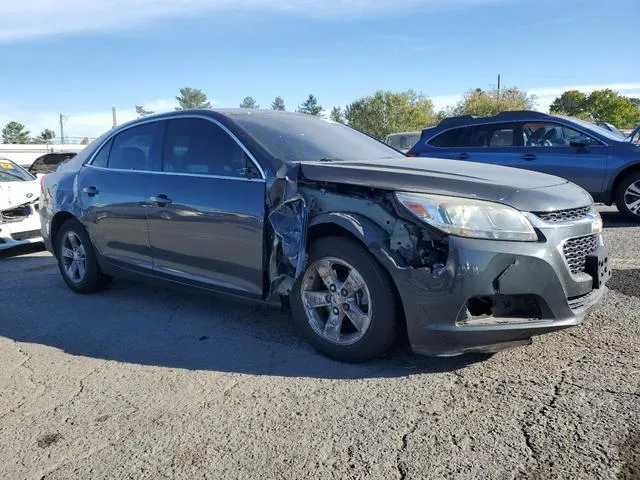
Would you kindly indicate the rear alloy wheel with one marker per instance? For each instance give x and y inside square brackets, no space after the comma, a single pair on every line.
[74,257]
[344,302]
[628,196]
[77,261]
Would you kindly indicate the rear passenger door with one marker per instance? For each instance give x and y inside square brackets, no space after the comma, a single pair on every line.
[548,149]
[207,209]
[494,143]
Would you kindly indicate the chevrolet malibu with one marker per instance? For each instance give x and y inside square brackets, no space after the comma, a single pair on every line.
[366,245]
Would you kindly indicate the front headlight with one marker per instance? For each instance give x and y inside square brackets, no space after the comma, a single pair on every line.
[465,217]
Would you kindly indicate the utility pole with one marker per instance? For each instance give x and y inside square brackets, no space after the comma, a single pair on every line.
[113,114]
[498,91]
[62,129]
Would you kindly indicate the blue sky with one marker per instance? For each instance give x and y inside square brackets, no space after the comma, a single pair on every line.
[80,58]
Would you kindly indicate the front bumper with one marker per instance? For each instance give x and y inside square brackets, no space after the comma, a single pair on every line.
[23,232]
[437,304]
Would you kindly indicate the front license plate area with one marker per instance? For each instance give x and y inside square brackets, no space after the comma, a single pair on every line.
[598,266]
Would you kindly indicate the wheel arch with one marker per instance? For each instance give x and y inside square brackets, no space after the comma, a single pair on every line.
[633,168]
[365,232]
[57,221]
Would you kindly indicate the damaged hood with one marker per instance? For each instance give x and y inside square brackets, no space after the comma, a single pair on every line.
[14,194]
[522,189]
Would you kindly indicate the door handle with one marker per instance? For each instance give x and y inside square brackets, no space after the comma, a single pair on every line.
[161,200]
[529,156]
[464,156]
[91,191]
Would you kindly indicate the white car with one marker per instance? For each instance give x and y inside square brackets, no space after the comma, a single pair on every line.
[19,217]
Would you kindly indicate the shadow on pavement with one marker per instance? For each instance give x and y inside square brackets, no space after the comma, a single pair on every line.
[626,282]
[146,325]
[21,250]
[614,219]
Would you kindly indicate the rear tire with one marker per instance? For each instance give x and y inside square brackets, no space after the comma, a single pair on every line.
[627,196]
[77,260]
[344,302]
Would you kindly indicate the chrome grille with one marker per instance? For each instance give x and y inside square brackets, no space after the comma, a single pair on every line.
[576,250]
[570,215]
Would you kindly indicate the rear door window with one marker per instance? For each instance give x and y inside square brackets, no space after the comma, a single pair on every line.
[495,135]
[131,149]
[489,135]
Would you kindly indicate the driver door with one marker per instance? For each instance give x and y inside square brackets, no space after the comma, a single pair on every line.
[548,149]
[206,215]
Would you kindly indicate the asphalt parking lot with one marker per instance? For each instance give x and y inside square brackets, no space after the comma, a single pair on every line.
[144,382]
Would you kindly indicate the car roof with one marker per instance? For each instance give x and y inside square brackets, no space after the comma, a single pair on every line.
[463,120]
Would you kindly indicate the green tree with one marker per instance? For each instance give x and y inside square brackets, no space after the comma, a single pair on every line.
[484,103]
[249,102]
[140,110]
[46,136]
[278,104]
[571,102]
[190,98]
[14,132]
[609,106]
[389,112]
[310,106]
[337,115]
[634,101]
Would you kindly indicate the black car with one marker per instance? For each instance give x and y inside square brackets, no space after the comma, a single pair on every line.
[49,162]
[364,243]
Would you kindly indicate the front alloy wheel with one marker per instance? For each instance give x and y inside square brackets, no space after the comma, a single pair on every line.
[337,301]
[632,198]
[627,196]
[344,303]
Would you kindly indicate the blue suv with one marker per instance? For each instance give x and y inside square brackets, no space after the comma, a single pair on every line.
[598,160]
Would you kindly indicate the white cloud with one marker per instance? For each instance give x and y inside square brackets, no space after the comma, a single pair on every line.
[32,18]
[79,124]
[442,101]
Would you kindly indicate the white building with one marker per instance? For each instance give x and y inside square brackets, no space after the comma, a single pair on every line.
[24,155]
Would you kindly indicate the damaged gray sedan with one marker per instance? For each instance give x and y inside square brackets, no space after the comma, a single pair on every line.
[366,245]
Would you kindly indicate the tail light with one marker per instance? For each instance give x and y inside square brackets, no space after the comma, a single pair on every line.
[412,154]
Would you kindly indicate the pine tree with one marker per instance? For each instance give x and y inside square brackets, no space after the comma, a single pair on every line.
[278,104]
[310,106]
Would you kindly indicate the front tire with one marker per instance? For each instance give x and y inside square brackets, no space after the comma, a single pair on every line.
[344,303]
[627,196]
[77,260]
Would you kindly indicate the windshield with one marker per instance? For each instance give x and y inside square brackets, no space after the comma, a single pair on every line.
[594,128]
[10,172]
[293,138]
[612,128]
[634,137]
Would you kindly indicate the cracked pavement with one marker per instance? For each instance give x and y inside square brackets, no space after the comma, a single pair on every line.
[144,382]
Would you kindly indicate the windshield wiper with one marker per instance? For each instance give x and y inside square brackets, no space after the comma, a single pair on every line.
[330,159]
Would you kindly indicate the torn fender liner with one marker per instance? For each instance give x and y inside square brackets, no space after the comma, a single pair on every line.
[289,222]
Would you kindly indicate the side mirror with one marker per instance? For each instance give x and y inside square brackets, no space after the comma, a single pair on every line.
[580,142]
